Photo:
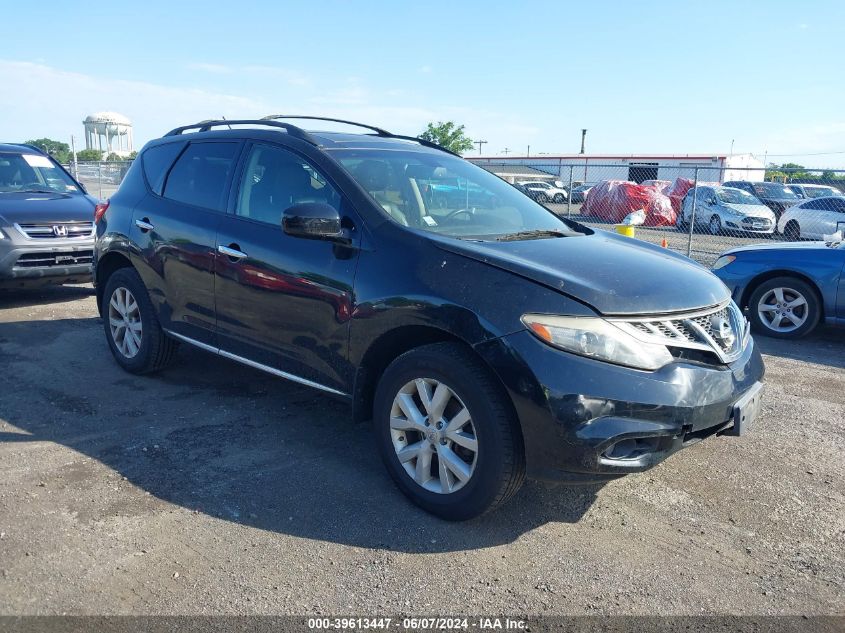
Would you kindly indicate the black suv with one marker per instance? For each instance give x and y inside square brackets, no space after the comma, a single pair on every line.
[46,221]
[485,340]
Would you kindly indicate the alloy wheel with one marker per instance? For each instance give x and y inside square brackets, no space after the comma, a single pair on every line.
[783,309]
[433,435]
[715,225]
[125,322]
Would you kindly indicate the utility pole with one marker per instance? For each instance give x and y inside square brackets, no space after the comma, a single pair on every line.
[73,155]
[479,143]
[583,139]
[528,153]
[506,151]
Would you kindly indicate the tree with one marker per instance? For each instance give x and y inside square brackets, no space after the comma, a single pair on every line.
[58,150]
[89,155]
[448,135]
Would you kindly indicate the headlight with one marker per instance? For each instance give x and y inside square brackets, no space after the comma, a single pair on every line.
[723,261]
[596,338]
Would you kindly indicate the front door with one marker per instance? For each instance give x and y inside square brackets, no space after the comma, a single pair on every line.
[284,302]
[175,229]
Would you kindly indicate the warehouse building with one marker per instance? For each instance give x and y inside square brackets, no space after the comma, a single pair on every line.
[590,169]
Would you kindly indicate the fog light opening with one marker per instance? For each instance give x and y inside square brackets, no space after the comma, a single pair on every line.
[631,448]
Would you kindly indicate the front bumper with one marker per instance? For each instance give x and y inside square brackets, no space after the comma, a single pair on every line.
[576,413]
[30,263]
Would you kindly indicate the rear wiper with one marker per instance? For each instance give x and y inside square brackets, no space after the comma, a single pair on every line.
[531,235]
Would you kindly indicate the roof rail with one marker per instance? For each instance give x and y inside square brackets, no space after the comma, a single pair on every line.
[204,126]
[379,131]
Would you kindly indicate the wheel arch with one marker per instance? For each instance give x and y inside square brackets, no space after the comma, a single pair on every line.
[389,346]
[780,272]
[106,267]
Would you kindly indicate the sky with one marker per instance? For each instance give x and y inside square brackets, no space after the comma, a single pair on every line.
[642,77]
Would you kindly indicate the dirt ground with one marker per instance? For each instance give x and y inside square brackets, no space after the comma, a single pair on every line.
[213,488]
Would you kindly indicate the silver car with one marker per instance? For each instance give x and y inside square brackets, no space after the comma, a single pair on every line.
[726,210]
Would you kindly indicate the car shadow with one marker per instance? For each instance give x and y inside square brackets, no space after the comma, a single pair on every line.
[823,346]
[234,443]
[19,298]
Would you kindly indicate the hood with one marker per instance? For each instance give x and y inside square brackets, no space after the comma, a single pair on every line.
[779,246]
[46,207]
[613,274]
[751,210]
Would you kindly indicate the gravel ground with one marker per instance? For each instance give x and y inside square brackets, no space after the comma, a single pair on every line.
[212,488]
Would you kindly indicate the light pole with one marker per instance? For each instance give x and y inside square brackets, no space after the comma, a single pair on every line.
[583,139]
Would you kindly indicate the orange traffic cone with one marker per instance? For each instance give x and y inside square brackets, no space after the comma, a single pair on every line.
[664,243]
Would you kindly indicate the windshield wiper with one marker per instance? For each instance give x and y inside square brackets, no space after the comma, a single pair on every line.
[532,235]
[38,191]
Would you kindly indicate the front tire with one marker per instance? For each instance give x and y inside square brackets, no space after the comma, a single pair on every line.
[792,231]
[715,225]
[447,433]
[784,307]
[133,332]
[559,199]
[542,198]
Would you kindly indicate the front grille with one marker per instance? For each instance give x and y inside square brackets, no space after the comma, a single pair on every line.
[59,230]
[722,331]
[56,258]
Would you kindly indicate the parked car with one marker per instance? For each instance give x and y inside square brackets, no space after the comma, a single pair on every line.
[815,191]
[776,196]
[46,221]
[813,218]
[787,288]
[579,193]
[726,209]
[545,191]
[531,193]
[484,344]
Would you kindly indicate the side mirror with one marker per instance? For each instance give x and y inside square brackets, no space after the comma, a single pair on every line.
[313,220]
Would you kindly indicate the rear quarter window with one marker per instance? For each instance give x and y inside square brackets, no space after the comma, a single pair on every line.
[157,161]
[200,175]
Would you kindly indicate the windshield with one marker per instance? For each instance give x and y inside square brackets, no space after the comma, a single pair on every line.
[774,190]
[447,195]
[32,172]
[736,196]
[821,192]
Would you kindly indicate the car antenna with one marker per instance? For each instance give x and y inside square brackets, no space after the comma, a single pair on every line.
[223,118]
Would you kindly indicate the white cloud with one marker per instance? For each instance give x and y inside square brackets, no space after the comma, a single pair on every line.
[219,69]
[39,100]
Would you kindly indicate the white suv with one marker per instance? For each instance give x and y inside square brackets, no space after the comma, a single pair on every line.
[544,191]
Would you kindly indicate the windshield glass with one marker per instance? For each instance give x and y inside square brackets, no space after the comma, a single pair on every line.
[736,196]
[821,192]
[774,190]
[447,195]
[32,172]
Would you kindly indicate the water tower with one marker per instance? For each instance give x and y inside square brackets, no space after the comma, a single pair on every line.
[108,132]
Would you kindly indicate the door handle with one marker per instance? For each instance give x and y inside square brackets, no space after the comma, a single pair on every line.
[232,251]
[144,224]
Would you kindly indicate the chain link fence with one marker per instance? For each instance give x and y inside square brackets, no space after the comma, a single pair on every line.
[698,210]
[101,178]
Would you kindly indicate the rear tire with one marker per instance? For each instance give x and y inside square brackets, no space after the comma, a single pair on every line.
[784,307]
[408,395]
[559,199]
[133,332]
[542,198]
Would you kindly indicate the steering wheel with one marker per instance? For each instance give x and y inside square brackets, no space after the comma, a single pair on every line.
[469,212]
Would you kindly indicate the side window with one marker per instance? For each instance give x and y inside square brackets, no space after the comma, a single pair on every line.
[200,175]
[157,160]
[813,205]
[275,179]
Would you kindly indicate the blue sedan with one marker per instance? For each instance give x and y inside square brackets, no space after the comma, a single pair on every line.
[787,288]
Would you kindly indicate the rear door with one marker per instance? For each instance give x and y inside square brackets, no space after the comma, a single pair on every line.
[175,229]
[284,302]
